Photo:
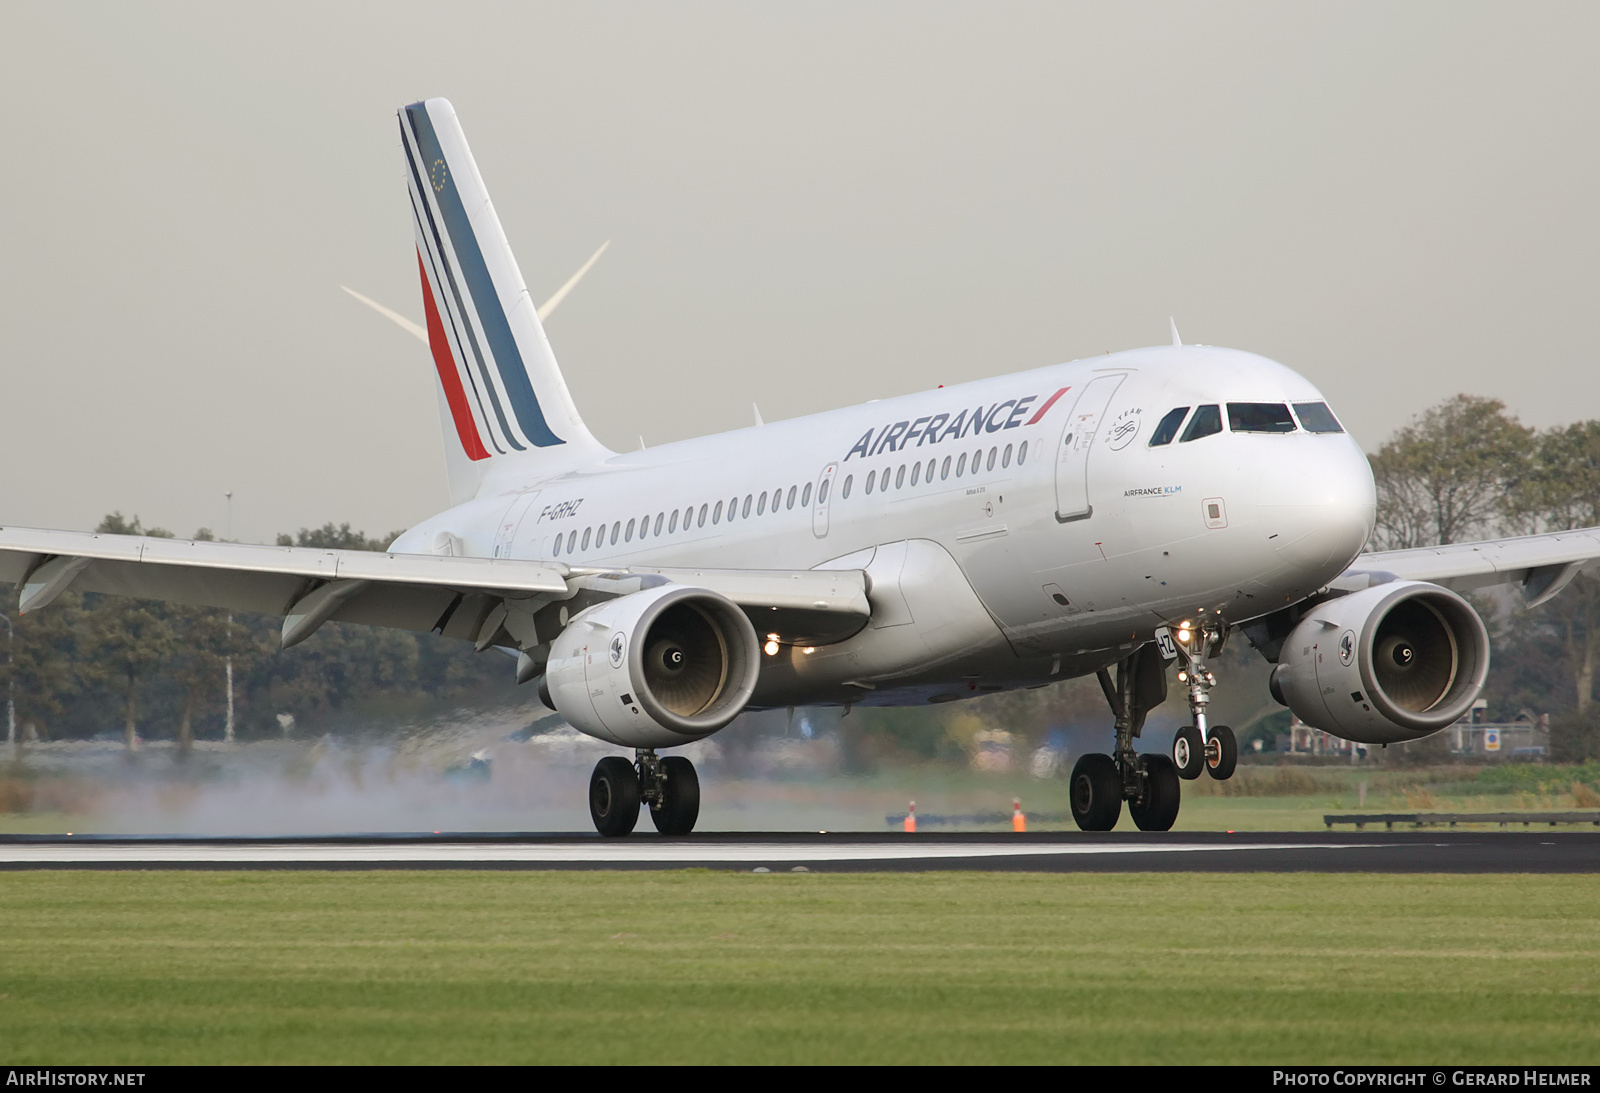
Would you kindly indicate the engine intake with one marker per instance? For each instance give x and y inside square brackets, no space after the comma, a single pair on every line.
[663,666]
[1390,663]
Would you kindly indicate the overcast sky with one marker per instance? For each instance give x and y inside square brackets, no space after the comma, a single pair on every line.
[811,205]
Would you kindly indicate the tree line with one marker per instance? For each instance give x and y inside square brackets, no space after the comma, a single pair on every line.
[91,665]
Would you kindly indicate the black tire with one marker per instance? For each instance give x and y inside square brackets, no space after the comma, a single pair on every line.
[1222,753]
[1188,752]
[614,796]
[1096,793]
[680,797]
[1156,809]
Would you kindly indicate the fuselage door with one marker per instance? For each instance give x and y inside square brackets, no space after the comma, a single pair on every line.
[1077,441]
[819,511]
[506,534]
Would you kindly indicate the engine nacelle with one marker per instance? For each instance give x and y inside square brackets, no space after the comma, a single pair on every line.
[1390,663]
[663,666]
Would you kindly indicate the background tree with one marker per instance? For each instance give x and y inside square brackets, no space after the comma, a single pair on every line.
[41,672]
[1444,477]
[1561,491]
[125,640]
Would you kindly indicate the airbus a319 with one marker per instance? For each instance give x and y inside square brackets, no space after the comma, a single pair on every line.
[1104,517]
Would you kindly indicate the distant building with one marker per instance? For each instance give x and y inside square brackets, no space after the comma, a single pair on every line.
[1302,739]
[1525,737]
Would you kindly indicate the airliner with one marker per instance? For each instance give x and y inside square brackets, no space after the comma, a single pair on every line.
[1119,517]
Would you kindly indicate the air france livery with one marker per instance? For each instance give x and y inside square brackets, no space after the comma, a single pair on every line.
[1117,517]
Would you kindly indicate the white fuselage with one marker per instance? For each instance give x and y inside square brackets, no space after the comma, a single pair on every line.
[1036,543]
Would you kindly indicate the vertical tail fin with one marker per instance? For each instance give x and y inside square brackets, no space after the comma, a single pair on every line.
[502,396]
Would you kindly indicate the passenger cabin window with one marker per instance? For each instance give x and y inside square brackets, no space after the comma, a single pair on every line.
[1022,453]
[1315,417]
[628,535]
[789,501]
[1169,427]
[586,533]
[572,539]
[805,498]
[1259,417]
[1206,421]
[849,480]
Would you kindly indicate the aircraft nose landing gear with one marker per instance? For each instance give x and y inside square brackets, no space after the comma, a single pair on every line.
[670,787]
[1198,747]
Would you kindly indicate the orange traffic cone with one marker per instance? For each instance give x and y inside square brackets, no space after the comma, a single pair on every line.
[1019,822]
[911,817]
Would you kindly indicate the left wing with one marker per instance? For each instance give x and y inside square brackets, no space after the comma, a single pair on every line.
[1541,564]
[475,599]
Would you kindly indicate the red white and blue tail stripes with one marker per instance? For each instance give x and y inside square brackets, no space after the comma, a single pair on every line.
[485,337]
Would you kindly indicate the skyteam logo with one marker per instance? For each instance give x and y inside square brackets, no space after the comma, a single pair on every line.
[486,382]
[1123,430]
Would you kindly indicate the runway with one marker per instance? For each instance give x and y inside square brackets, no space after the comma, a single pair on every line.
[1211,852]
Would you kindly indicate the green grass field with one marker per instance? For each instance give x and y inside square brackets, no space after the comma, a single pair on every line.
[675,967]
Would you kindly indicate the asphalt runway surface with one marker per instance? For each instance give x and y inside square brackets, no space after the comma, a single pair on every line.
[1485,851]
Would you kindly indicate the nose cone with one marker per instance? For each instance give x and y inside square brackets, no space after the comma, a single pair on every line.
[1320,502]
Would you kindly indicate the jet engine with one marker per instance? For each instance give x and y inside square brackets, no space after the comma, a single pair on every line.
[1390,663]
[658,667]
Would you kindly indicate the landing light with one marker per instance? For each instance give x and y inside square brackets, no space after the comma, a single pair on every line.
[771,648]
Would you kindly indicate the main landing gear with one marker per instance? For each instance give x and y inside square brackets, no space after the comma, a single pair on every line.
[1150,783]
[669,786]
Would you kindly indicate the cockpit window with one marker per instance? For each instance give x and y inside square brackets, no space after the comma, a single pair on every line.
[1206,420]
[1315,417]
[1168,427]
[1259,417]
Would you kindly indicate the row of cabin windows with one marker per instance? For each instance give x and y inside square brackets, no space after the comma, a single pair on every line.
[919,472]
[668,523]
[598,535]
[1245,417]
